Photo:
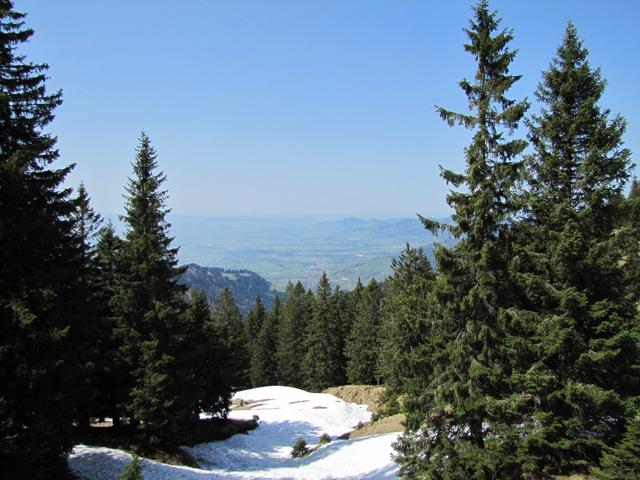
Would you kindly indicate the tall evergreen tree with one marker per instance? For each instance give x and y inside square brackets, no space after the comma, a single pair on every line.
[465,424]
[204,361]
[322,364]
[38,269]
[362,344]
[87,307]
[588,370]
[112,377]
[343,322]
[229,328]
[405,341]
[354,298]
[264,365]
[256,318]
[296,311]
[148,304]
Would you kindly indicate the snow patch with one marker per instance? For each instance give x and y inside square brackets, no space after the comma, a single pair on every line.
[264,453]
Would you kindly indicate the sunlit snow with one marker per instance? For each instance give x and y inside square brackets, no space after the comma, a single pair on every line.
[264,453]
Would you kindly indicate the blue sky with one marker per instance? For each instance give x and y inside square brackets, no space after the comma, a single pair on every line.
[295,107]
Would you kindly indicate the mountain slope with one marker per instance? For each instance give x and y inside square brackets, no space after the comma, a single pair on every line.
[245,285]
[265,453]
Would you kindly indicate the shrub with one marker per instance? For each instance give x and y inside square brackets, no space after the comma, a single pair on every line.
[132,470]
[299,448]
[324,439]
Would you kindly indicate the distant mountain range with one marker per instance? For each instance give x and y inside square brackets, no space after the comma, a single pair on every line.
[244,285]
[283,249]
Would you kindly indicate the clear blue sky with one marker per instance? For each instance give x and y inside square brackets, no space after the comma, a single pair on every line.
[294,107]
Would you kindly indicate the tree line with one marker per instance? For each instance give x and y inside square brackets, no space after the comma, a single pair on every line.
[315,339]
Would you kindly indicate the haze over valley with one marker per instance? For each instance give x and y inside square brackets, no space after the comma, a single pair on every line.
[282,249]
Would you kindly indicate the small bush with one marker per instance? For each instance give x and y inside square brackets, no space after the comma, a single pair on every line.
[299,448]
[359,425]
[324,439]
[132,470]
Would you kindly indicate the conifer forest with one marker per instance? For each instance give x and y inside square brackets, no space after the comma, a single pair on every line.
[513,354]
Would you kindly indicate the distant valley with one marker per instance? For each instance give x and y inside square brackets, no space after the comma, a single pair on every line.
[283,249]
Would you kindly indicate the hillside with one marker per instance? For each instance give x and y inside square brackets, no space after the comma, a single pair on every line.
[245,285]
[265,453]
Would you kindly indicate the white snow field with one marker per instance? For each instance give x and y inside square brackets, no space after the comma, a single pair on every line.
[264,453]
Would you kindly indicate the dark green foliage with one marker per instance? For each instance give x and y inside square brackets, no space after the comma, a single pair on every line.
[112,375]
[633,207]
[405,340]
[623,460]
[299,448]
[88,337]
[296,312]
[362,345]
[470,393]
[204,361]
[264,365]
[324,439]
[147,303]
[354,297]
[229,329]
[39,270]
[586,340]
[343,322]
[132,471]
[253,327]
[245,285]
[322,364]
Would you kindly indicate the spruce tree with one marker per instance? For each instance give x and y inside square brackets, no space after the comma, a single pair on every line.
[87,308]
[587,376]
[229,328]
[39,265]
[296,311]
[354,298]
[343,323]
[264,365]
[253,326]
[113,374]
[204,360]
[322,364]
[405,339]
[362,344]
[465,423]
[133,470]
[148,305]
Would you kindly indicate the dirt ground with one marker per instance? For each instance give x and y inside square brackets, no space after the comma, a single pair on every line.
[362,394]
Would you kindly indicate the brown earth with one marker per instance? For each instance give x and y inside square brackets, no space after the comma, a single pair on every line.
[393,423]
[369,395]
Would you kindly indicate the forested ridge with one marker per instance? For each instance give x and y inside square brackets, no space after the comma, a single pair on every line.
[245,285]
[516,354]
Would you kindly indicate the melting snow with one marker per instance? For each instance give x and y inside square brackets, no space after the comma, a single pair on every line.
[264,453]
